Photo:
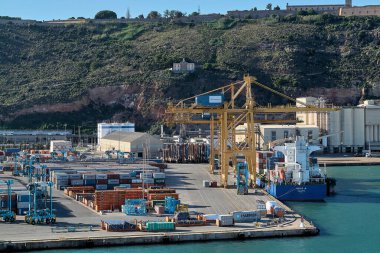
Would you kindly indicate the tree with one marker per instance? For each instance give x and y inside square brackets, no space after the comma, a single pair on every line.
[106,14]
[153,15]
[166,13]
[255,9]
[269,7]
[141,16]
[194,13]
[277,8]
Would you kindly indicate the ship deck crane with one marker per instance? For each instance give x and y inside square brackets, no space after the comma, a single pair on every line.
[241,108]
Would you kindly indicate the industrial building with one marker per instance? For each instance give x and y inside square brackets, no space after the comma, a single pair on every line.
[351,129]
[32,136]
[107,128]
[334,8]
[270,133]
[133,142]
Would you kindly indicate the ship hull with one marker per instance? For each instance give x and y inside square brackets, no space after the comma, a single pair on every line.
[305,192]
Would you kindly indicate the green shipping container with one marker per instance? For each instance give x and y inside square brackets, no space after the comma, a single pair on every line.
[159,180]
[158,202]
[160,226]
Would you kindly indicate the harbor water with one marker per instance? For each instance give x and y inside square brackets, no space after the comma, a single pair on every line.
[349,222]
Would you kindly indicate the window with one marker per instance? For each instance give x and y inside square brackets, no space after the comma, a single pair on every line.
[286,134]
[273,136]
[298,132]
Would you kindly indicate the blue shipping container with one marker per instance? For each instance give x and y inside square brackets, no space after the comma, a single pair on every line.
[90,182]
[212,100]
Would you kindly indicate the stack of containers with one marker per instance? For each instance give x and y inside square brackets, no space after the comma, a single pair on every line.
[76,179]
[22,202]
[113,180]
[125,180]
[261,160]
[61,180]
[89,179]
[101,181]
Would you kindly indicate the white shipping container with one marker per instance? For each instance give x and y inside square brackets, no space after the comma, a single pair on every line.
[210,217]
[158,175]
[136,181]
[146,175]
[226,220]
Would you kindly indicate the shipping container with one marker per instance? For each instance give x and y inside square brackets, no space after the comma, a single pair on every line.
[225,221]
[125,176]
[89,182]
[113,181]
[76,182]
[101,187]
[160,226]
[159,175]
[101,176]
[75,176]
[89,176]
[246,216]
[212,100]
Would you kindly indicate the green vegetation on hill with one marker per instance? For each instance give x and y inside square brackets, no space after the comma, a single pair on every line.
[47,64]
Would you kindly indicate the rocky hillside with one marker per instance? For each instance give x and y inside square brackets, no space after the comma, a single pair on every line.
[81,74]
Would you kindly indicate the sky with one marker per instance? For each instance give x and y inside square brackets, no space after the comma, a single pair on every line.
[63,9]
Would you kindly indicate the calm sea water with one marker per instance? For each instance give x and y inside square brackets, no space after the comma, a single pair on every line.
[349,222]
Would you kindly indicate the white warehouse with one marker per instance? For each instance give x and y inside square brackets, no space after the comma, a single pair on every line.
[107,128]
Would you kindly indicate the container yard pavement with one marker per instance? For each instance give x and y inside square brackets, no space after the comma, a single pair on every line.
[186,178]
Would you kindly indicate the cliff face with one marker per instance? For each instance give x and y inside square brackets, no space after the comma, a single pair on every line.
[91,72]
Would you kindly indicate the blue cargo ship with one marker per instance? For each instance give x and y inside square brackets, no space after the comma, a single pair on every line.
[299,177]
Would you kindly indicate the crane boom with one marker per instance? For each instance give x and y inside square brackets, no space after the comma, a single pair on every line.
[226,116]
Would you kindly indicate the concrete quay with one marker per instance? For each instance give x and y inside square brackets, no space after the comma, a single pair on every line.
[187,180]
[348,161]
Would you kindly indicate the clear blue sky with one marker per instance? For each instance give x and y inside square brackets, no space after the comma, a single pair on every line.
[63,9]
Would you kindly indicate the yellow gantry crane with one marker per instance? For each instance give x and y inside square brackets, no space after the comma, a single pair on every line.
[238,108]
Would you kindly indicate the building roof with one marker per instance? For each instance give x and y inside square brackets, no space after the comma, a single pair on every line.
[127,136]
[288,126]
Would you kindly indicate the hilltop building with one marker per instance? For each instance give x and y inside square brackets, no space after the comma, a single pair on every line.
[333,8]
[369,10]
[183,66]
